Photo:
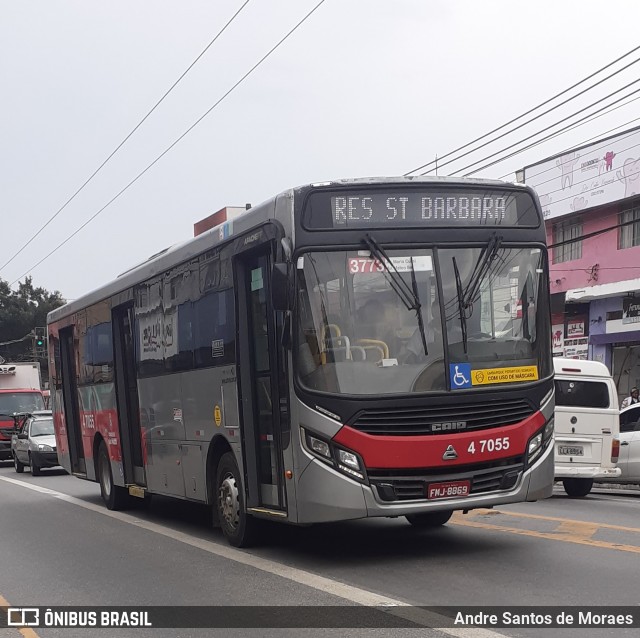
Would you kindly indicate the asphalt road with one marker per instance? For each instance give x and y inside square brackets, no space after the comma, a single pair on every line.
[63,547]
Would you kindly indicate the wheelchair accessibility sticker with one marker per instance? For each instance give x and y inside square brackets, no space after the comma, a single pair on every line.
[460,375]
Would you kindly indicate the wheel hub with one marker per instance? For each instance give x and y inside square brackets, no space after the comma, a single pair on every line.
[229,501]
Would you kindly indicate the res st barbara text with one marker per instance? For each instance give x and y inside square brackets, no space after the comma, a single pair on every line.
[405,208]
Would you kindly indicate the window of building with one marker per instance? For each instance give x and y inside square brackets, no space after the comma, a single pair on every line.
[564,232]
[629,235]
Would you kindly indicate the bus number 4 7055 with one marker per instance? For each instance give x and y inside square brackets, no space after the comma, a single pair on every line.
[489,445]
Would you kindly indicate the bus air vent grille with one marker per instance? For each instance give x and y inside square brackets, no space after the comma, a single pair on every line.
[441,419]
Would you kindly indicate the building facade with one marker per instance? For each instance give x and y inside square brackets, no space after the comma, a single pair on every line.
[591,200]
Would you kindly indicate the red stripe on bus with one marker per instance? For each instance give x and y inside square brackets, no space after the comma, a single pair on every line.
[382,452]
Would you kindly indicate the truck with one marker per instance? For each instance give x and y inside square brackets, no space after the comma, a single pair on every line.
[20,392]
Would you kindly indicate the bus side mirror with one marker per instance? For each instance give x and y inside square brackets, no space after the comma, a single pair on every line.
[280,287]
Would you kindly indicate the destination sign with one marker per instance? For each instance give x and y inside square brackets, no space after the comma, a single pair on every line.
[404,207]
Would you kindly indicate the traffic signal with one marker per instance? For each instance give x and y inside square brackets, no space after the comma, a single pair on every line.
[41,338]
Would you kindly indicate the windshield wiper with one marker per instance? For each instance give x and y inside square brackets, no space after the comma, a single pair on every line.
[461,305]
[408,296]
[483,265]
[418,305]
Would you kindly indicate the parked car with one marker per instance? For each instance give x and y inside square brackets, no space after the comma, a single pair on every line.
[34,444]
[629,459]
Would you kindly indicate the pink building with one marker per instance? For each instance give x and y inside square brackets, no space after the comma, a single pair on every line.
[591,200]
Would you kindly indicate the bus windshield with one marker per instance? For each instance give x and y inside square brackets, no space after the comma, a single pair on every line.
[416,320]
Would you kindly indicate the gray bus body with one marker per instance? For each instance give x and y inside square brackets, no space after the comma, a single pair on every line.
[182,378]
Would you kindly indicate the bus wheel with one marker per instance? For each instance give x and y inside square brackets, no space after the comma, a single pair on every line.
[429,519]
[577,487]
[114,496]
[238,526]
[17,465]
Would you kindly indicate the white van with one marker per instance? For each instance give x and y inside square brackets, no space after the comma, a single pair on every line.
[587,424]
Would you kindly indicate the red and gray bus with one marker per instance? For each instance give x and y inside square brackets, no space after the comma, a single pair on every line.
[348,349]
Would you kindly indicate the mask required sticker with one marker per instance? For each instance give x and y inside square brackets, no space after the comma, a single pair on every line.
[504,375]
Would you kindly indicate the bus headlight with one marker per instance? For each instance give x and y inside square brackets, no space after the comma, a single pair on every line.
[349,463]
[539,441]
[535,445]
[347,458]
[344,461]
[318,446]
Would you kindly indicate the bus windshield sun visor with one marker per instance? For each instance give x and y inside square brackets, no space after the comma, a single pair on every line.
[408,296]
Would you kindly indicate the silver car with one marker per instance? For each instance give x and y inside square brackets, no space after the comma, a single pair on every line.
[35,444]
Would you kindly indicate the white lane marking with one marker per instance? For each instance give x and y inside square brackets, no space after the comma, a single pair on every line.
[350,593]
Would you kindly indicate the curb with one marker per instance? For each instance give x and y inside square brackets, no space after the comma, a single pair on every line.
[617,486]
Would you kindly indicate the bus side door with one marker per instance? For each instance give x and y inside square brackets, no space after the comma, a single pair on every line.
[259,380]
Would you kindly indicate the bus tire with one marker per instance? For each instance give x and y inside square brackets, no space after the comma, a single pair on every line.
[428,520]
[19,467]
[114,496]
[577,487]
[239,528]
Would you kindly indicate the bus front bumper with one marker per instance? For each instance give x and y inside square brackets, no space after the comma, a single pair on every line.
[325,495]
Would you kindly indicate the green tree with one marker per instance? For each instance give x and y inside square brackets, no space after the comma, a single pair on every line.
[21,311]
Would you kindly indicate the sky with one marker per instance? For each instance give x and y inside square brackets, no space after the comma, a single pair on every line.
[362,88]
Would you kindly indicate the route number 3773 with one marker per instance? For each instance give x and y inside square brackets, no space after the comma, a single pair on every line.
[489,445]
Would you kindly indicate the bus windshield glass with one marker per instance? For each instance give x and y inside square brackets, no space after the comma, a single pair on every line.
[375,321]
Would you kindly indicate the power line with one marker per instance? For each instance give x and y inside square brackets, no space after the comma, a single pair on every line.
[589,269]
[562,131]
[137,126]
[155,161]
[579,145]
[595,233]
[27,336]
[488,157]
[535,108]
[495,139]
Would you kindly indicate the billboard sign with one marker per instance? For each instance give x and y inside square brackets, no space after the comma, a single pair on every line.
[558,340]
[600,173]
[630,310]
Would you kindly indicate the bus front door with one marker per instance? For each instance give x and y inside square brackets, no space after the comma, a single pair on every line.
[127,396]
[259,383]
[70,404]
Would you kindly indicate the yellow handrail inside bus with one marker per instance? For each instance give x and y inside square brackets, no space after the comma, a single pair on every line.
[378,344]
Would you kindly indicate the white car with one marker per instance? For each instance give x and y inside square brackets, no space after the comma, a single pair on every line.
[629,459]
[34,444]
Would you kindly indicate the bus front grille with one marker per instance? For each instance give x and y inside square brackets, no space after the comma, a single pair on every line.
[441,419]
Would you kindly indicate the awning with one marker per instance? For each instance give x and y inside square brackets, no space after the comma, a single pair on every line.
[614,337]
[615,289]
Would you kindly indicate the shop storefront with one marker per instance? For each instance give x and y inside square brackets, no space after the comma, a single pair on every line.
[613,329]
